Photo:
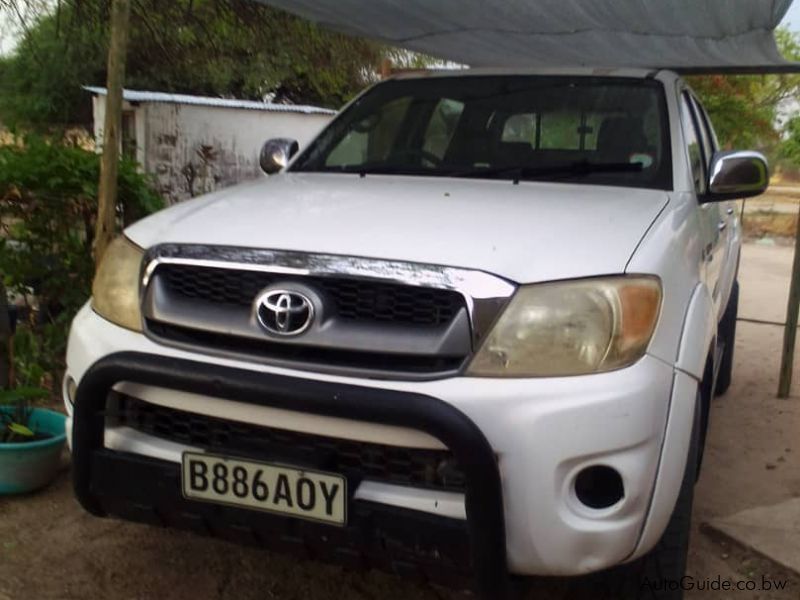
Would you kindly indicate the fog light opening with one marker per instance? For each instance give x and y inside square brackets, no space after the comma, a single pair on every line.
[599,487]
[71,388]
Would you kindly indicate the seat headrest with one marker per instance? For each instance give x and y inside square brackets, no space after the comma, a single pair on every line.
[619,137]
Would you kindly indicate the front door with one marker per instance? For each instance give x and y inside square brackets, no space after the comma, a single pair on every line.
[713,224]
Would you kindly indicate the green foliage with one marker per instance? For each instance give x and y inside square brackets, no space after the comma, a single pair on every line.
[41,82]
[789,150]
[15,412]
[48,205]
[739,107]
[744,108]
[234,48]
[39,348]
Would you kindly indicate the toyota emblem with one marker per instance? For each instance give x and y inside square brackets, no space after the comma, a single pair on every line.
[284,312]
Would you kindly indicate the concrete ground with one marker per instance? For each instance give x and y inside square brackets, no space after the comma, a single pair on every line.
[771,531]
[51,550]
[753,450]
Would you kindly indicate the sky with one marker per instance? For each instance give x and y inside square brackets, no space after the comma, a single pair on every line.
[792,18]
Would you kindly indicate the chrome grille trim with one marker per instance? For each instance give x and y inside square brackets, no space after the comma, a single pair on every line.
[484,297]
[485,294]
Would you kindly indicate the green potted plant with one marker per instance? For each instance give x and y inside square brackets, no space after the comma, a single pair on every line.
[31,441]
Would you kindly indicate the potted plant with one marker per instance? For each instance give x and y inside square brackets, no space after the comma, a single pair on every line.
[31,441]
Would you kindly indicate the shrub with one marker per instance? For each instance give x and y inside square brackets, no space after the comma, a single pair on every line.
[48,207]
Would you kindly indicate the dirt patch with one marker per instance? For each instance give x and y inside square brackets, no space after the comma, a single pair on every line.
[773,214]
[752,458]
[762,224]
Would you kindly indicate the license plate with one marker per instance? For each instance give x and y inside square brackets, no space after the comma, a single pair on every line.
[274,488]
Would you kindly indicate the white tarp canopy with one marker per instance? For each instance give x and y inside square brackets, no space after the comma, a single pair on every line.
[686,35]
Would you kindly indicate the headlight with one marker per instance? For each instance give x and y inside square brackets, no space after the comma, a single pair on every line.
[115,291]
[571,328]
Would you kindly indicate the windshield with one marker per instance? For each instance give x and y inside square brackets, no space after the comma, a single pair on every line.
[595,130]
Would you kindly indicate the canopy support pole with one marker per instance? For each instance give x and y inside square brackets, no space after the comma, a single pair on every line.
[790,328]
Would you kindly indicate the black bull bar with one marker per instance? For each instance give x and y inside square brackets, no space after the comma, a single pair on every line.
[93,464]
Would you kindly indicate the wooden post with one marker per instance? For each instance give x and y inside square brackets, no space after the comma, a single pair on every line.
[790,329]
[109,162]
[386,67]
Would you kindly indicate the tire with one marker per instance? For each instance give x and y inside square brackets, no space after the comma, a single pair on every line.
[657,575]
[727,336]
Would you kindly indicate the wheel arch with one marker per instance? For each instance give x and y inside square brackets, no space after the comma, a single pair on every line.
[697,355]
[694,369]
[698,336]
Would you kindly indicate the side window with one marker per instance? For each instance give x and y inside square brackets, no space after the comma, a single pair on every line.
[570,130]
[560,131]
[442,126]
[520,128]
[591,130]
[693,147]
[712,135]
[373,138]
[705,137]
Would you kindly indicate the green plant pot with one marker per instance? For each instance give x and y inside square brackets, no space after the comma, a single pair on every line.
[25,467]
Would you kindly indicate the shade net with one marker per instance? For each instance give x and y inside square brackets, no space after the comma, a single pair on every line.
[685,35]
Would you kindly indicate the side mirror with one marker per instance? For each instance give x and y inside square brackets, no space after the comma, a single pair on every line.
[737,174]
[276,153]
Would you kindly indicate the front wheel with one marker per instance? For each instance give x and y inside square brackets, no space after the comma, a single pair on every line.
[657,575]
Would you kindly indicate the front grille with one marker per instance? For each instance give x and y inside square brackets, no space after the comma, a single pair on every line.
[307,355]
[351,299]
[436,469]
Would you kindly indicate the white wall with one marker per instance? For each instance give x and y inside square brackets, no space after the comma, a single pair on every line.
[194,149]
[99,118]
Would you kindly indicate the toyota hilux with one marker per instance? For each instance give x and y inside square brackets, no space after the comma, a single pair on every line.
[471,332]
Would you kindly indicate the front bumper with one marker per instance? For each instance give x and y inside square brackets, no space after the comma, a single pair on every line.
[152,491]
[538,432]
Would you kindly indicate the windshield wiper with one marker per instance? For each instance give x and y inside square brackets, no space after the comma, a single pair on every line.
[376,168]
[516,173]
[573,169]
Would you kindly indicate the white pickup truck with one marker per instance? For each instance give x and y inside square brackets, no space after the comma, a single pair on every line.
[472,330]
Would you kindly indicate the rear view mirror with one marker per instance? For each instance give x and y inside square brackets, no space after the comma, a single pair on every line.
[737,174]
[276,153]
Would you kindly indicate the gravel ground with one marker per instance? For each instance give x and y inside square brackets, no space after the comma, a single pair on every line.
[51,549]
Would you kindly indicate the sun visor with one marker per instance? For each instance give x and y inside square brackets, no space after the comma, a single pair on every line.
[690,36]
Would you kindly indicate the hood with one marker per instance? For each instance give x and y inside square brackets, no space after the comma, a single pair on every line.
[527,233]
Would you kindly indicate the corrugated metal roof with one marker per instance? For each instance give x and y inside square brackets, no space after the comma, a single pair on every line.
[144,96]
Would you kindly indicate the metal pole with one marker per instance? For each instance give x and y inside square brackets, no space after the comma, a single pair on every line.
[109,162]
[790,329]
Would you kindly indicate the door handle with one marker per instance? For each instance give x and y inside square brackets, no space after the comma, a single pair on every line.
[722,225]
[708,252]
[729,210]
